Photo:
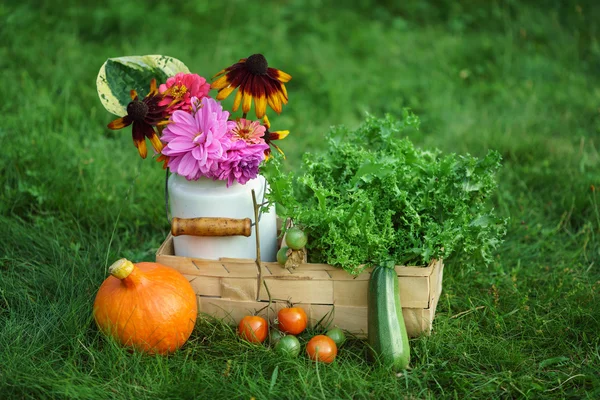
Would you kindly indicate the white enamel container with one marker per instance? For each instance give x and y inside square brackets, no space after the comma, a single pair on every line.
[208,198]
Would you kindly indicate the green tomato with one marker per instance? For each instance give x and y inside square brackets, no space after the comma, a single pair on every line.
[288,345]
[337,335]
[275,336]
[282,256]
[295,238]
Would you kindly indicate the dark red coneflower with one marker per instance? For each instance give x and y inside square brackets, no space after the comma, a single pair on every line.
[269,137]
[256,80]
[144,115]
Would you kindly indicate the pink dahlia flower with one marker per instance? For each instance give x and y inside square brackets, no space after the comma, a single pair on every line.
[179,90]
[251,132]
[242,161]
[196,142]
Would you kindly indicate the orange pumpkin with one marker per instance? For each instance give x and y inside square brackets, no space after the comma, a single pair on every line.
[146,306]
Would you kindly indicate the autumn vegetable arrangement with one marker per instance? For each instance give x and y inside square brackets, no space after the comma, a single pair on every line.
[371,199]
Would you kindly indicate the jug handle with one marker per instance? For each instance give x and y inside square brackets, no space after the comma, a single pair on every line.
[211,226]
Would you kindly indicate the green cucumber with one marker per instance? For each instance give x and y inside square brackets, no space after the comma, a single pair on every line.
[386,330]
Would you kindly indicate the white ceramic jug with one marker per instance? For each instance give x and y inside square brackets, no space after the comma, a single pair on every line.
[208,198]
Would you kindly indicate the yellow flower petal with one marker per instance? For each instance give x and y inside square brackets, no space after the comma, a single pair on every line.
[278,135]
[283,77]
[220,83]
[260,103]
[141,146]
[274,102]
[266,122]
[237,100]
[120,123]
[163,159]
[282,97]
[279,150]
[221,72]
[223,93]
[246,102]
[156,143]
[153,89]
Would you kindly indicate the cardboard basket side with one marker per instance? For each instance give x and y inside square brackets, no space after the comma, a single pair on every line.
[229,288]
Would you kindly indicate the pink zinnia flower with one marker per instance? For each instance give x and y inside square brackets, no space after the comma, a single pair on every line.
[197,141]
[242,161]
[179,90]
[251,132]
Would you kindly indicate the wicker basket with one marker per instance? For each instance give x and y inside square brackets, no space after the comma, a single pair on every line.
[229,288]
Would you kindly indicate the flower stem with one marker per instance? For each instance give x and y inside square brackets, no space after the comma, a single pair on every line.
[261,281]
[167,197]
[256,232]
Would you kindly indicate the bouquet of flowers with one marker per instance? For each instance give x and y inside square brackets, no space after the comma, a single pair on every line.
[189,130]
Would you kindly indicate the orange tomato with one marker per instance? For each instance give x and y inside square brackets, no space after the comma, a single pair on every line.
[321,348]
[292,320]
[253,328]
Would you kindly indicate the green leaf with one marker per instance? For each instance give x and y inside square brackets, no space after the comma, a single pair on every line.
[353,210]
[118,76]
[471,186]
[481,221]
[369,170]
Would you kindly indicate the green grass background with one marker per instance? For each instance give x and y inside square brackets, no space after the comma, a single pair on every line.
[519,77]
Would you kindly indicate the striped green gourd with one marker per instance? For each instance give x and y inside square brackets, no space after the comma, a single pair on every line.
[386,330]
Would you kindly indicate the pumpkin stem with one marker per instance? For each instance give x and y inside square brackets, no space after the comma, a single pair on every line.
[121,269]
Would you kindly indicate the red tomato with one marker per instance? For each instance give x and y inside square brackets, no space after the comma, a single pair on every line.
[253,328]
[321,348]
[292,320]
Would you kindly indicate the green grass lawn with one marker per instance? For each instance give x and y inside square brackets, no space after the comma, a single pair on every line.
[519,78]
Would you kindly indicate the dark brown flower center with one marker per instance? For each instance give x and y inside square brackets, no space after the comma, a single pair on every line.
[257,64]
[137,110]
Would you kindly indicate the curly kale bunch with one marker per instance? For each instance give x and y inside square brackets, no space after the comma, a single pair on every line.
[374,198]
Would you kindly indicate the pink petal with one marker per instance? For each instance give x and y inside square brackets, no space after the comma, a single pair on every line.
[174,163]
[186,131]
[187,166]
[181,144]
[182,117]
[197,152]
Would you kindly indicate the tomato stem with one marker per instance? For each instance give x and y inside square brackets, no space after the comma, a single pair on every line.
[256,232]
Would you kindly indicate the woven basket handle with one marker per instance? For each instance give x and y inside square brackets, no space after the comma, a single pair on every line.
[206,226]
